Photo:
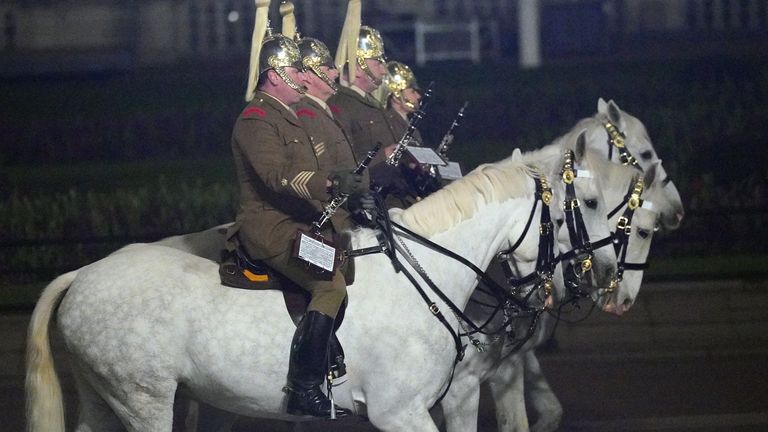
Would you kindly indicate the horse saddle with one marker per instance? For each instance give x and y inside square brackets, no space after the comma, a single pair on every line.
[238,270]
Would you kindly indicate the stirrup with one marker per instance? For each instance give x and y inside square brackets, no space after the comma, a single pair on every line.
[310,402]
[337,370]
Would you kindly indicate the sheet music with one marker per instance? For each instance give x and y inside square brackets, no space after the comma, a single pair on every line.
[316,252]
[452,171]
[425,155]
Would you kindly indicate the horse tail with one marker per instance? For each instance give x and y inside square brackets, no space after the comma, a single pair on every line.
[45,408]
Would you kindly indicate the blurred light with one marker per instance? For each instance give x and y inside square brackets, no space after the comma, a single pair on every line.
[233,16]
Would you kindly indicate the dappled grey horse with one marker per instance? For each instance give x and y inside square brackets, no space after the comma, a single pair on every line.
[145,320]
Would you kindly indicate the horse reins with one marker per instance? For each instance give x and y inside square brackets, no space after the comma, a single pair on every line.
[632,201]
[542,275]
[581,247]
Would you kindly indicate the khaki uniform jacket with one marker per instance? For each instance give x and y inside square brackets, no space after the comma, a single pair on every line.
[281,175]
[364,120]
[331,144]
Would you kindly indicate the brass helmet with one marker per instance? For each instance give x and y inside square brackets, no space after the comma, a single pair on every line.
[358,43]
[274,51]
[370,45]
[315,53]
[279,52]
[399,77]
[312,52]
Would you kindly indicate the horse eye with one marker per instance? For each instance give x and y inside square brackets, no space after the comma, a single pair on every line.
[559,222]
[646,154]
[591,203]
[657,227]
[643,233]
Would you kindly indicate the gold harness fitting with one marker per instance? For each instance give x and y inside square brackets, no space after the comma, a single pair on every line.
[612,286]
[634,199]
[568,176]
[547,286]
[616,137]
[623,224]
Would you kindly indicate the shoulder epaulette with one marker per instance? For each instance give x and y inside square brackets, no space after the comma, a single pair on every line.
[253,112]
[306,112]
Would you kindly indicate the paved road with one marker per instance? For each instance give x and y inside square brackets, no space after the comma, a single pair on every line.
[688,357]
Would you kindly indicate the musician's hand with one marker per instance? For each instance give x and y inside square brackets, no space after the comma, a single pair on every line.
[363,202]
[384,175]
[346,182]
[388,150]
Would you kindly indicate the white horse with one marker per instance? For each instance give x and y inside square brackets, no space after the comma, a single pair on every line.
[522,370]
[522,375]
[148,319]
[548,164]
[208,243]
[507,379]
[504,370]
[632,138]
[670,212]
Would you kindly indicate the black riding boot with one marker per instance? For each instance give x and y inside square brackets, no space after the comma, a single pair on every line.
[308,367]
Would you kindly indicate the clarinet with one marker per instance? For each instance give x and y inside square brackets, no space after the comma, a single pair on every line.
[397,154]
[341,198]
[442,149]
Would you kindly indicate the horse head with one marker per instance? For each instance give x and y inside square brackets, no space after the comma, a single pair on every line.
[580,212]
[622,138]
[635,225]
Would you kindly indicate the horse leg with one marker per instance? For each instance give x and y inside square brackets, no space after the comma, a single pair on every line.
[140,406]
[542,399]
[507,389]
[461,404]
[94,415]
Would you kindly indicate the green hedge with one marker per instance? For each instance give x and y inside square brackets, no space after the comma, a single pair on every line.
[48,232]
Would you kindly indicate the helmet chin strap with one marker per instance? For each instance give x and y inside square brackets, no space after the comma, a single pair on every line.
[332,84]
[364,66]
[291,83]
[411,105]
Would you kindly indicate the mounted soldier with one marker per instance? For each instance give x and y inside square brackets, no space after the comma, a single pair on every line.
[361,59]
[330,144]
[284,181]
[401,94]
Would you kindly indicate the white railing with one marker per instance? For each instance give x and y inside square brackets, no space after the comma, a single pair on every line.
[469,50]
[741,15]
[166,30]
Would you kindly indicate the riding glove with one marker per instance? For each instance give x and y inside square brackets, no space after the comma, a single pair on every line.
[347,183]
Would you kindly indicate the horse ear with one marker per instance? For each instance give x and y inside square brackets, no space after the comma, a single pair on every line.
[602,106]
[649,177]
[517,155]
[614,112]
[581,145]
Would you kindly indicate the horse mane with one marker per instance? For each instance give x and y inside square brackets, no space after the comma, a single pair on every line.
[462,198]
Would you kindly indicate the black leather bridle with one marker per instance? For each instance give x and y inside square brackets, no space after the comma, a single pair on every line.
[582,250]
[631,202]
